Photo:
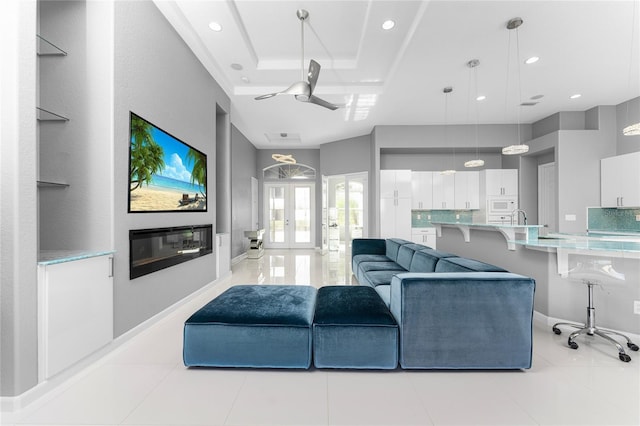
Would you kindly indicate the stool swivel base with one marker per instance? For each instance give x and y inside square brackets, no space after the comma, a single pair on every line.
[590,329]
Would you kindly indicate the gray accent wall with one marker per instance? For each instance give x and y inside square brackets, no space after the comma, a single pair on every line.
[626,114]
[158,77]
[346,156]
[243,167]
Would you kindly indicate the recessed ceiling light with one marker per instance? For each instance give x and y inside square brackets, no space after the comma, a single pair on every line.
[215,26]
[244,79]
[388,24]
[536,97]
[576,96]
[532,60]
[481,98]
[236,67]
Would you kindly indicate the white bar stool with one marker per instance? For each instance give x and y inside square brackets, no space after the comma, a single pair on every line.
[591,273]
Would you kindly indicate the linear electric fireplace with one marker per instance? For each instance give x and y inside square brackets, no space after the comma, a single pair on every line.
[151,250]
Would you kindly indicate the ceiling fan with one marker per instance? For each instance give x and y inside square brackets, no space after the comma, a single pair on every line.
[303,90]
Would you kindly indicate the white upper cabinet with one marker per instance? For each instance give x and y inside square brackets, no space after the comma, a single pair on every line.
[422,190]
[443,191]
[620,181]
[500,182]
[467,190]
[395,183]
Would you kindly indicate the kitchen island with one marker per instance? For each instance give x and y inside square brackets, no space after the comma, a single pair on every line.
[548,259]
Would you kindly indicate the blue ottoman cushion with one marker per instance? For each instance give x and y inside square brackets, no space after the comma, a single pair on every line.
[353,328]
[252,326]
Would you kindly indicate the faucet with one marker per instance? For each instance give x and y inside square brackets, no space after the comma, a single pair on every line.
[517,213]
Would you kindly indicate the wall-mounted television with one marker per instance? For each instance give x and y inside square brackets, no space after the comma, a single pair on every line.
[165,174]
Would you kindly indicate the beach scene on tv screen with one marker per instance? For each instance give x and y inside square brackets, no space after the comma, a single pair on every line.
[165,174]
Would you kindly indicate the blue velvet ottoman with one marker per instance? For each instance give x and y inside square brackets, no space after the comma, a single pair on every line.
[353,328]
[252,326]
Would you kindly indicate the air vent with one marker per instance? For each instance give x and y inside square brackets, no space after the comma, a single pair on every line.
[283,138]
[529,103]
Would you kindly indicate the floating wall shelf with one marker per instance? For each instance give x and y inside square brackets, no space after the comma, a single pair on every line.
[46,115]
[49,184]
[46,48]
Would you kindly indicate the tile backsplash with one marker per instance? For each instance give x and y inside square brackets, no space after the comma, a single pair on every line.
[423,218]
[614,220]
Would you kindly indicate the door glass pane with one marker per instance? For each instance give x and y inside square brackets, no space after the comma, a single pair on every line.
[276,214]
[356,209]
[302,214]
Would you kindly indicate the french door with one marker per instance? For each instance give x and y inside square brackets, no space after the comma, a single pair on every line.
[289,212]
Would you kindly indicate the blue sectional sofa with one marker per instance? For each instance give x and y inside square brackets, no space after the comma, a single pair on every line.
[452,312]
[416,307]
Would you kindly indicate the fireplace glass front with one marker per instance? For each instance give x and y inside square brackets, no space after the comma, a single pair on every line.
[151,250]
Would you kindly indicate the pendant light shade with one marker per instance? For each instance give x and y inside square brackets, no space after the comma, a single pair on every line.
[284,158]
[632,130]
[474,163]
[518,148]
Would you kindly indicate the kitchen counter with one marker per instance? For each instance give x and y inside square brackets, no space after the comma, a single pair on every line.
[51,257]
[511,233]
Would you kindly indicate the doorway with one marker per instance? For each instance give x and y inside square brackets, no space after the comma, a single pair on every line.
[346,210]
[547,197]
[289,215]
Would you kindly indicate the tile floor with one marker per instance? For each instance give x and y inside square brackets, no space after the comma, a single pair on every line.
[143,382]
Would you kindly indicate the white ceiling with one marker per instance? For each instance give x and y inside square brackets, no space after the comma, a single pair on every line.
[398,76]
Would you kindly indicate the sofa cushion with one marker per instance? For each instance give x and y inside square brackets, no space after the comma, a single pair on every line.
[253,326]
[462,264]
[393,246]
[425,260]
[376,278]
[365,267]
[353,328]
[406,252]
[384,291]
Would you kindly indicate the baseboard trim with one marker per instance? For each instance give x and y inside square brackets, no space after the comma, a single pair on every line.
[53,386]
[239,258]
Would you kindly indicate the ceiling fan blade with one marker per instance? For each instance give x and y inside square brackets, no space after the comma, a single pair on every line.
[312,75]
[267,96]
[316,100]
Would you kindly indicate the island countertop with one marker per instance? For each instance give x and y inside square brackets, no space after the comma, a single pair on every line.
[511,233]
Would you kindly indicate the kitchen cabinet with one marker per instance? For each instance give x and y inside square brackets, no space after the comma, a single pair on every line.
[467,190]
[422,190]
[395,204]
[395,218]
[443,191]
[395,183]
[499,182]
[620,181]
[424,236]
[75,311]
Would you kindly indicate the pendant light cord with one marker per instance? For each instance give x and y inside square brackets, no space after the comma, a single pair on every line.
[519,82]
[302,49]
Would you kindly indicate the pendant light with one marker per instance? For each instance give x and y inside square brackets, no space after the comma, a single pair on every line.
[473,65]
[518,148]
[284,158]
[446,92]
[632,129]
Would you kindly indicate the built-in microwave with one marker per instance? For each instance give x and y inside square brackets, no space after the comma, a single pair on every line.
[500,206]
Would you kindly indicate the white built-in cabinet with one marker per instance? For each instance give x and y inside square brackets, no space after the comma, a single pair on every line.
[223,254]
[443,191]
[620,181]
[467,190]
[499,182]
[425,236]
[422,190]
[75,311]
[395,204]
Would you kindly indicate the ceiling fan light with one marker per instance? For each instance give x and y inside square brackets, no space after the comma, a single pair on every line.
[515,149]
[632,130]
[474,163]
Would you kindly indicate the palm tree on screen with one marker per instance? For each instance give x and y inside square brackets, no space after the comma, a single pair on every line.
[199,170]
[147,157]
